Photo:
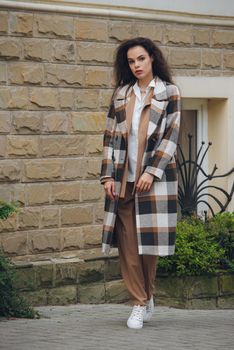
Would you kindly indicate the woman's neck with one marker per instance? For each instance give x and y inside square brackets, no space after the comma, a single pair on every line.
[143,83]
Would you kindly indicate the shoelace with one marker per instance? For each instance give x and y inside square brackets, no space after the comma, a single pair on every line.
[137,312]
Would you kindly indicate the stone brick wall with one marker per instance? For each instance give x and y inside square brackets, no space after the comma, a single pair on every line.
[55,86]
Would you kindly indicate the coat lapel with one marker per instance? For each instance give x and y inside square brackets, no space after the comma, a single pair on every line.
[156,101]
[158,104]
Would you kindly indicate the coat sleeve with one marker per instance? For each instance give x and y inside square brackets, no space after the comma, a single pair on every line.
[167,147]
[107,168]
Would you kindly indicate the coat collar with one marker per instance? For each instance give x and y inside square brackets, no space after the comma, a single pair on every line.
[160,90]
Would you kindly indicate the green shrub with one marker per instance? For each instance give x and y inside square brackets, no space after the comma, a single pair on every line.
[6,209]
[221,227]
[11,303]
[201,247]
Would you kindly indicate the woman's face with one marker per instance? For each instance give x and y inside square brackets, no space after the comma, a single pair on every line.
[140,63]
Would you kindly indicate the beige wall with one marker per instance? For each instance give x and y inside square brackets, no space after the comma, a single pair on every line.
[55,74]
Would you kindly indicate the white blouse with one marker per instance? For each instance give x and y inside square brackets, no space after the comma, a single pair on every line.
[133,134]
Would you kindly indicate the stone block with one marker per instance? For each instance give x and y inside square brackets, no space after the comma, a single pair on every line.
[10,170]
[201,303]
[228,60]
[21,73]
[211,59]
[63,295]
[66,98]
[93,168]
[97,76]
[91,271]
[171,302]
[44,241]
[178,35]
[29,218]
[19,193]
[44,274]
[14,243]
[66,192]
[3,142]
[3,72]
[91,29]
[26,146]
[49,217]
[201,37]
[55,122]
[5,122]
[25,278]
[116,292]
[64,74]
[92,236]
[66,273]
[171,287]
[105,98]
[112,269]
[99,213]
[25,122]
[35,298]
[94,145]
[88,121]
[149,30]
[48,169]
[75,169]
[227,284]
[121,30]
[10,48]
[92,293]
[9,224]
[91,191]
[226,302]
[14,97]
[38,194]
[185,58]
[21,23]
[41,97]
[201,286]
[76,215]
[95,52]
[55,26]
[86,98]
[62,145]
[4,21]
[37,49]
[222,38]
[63,51]
[72,238]
[5,193]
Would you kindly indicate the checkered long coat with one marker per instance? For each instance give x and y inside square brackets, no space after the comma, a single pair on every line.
[156,210]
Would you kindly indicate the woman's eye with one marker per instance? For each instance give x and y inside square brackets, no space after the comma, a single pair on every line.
[142,58]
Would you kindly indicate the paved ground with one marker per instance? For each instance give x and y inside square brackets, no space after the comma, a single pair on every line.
[86,327]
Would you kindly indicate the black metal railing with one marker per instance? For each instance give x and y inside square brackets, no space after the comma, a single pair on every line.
[190,194]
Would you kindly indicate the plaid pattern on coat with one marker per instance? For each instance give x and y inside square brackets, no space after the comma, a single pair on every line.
[156,210]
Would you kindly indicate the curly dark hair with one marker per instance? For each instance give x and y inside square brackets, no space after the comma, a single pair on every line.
[122,72]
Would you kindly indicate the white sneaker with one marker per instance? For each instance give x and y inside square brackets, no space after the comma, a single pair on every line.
[149,310]
[136,318]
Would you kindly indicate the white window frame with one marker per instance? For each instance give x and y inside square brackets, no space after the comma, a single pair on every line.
[200,105]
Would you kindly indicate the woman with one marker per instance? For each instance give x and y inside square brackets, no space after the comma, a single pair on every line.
[139,169]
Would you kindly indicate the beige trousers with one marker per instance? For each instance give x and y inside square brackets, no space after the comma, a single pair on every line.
[138,271]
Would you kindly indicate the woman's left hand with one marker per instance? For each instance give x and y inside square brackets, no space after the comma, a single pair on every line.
[144,183]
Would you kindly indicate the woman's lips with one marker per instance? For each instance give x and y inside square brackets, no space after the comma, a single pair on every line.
[138,71]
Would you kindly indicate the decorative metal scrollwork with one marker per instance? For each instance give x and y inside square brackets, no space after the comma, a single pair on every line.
[190,194]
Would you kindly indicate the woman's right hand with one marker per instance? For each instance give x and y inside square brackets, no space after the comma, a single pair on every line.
[109,187]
